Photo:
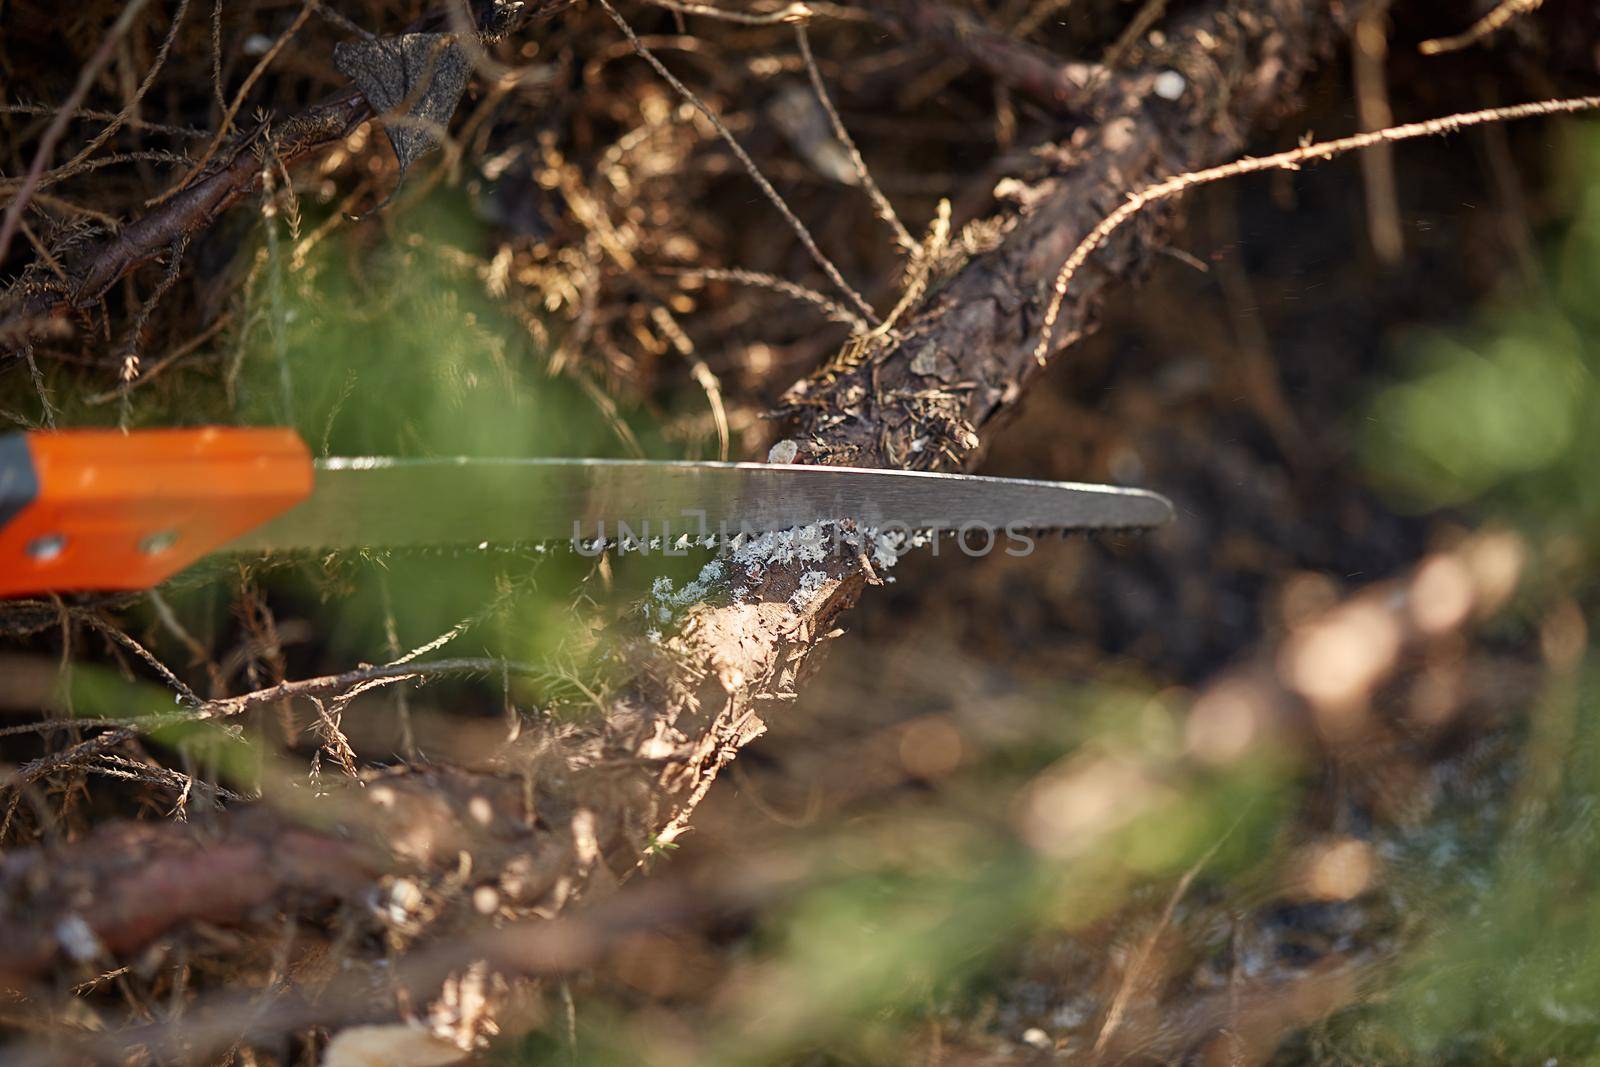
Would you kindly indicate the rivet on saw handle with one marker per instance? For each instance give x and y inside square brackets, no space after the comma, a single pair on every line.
[88,510]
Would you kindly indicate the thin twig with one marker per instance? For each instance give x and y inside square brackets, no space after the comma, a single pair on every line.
[226,125]
[1503,13]
[278,316]
[1148,15]
[760,280]
[43,252]
[760,179]
[178,685]
[1072,87]
[83,166]
[122,117]
[1290,160]
[62,206]
[333,683]
[91,115]
[1369,56]
[1135,970]
[391,637]
[47,407]
[58,125]
[1037,15]
[155,369]
[885,210]
[216,56]
[132,346]
[925,257]
[703,375]
[796,13]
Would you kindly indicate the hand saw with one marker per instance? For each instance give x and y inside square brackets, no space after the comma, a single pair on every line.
[102,510]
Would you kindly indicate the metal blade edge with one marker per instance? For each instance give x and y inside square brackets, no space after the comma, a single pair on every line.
[374,502]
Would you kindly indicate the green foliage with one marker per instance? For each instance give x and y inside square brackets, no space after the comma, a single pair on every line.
[1503,410]
[1503,417]
[1505,414]
[393,346]
[1509,971]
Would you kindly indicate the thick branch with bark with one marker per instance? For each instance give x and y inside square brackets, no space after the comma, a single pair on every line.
[570,813]
[968,355]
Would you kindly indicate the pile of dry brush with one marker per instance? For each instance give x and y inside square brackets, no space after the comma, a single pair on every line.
[876,221]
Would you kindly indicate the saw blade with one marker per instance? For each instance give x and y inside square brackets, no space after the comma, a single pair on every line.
[378,502]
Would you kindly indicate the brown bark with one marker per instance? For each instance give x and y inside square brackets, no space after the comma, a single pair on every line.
[967,357]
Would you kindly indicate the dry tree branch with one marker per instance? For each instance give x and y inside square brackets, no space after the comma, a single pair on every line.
[192,208]
[330,684]
[1061,86]
[1292,159]
[58,125]
[980,329]
[122,117]
[880,203]
[1498,18]
[225,127]
[759,280]
[796,12]
[749,164]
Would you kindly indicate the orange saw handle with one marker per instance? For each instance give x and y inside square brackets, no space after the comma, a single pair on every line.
[101,510]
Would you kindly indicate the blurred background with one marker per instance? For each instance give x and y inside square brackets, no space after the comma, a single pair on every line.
[1308,777]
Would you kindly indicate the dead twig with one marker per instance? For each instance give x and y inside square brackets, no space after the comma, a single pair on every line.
[1293,159]
[329,684]
[1061,86]
[759,280]
[749,164]
[226,125]
[796,13]
[58,124]
[880,203]
[1496,19]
